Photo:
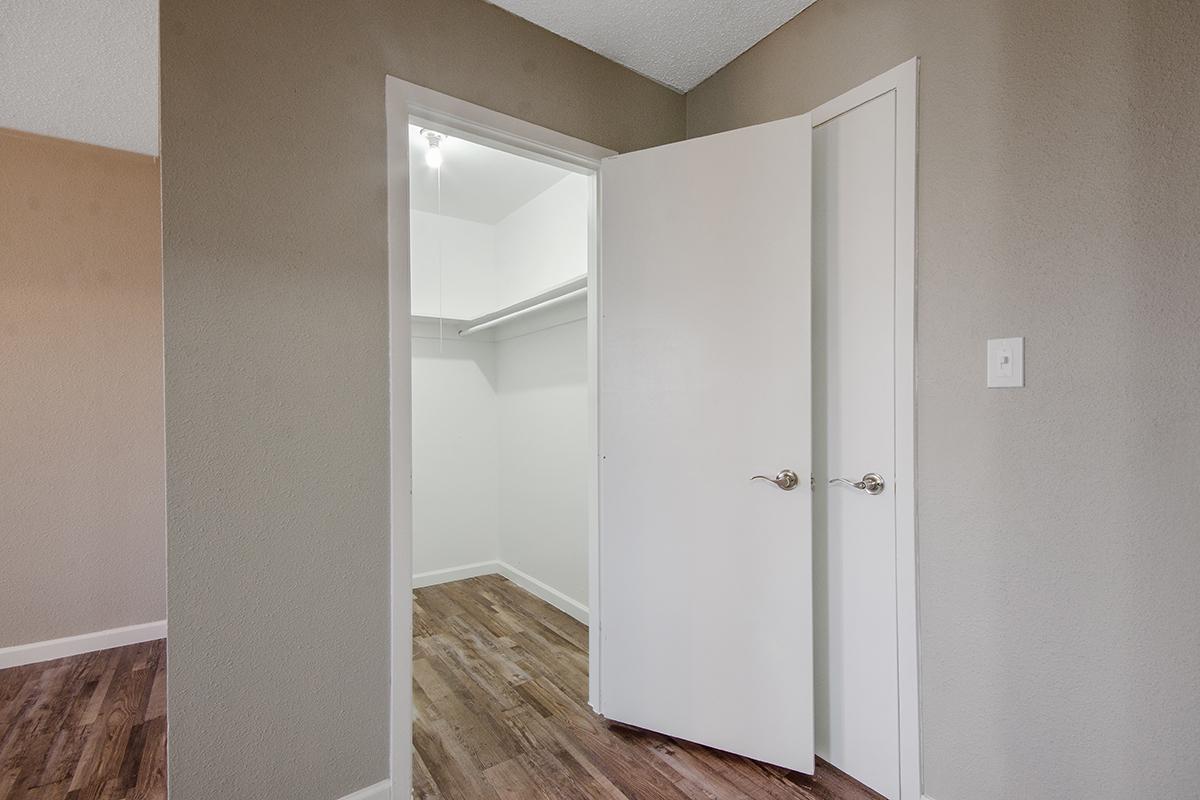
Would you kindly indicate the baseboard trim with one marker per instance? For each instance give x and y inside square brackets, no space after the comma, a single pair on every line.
[450,574]
[35,652]
[526,581]
[545,591]
[380,791]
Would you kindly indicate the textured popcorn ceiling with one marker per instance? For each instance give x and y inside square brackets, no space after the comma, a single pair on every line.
[85,70]
[676,42]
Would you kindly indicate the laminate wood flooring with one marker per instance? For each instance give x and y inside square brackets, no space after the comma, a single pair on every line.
[500,690]
[500,695]
[89,727]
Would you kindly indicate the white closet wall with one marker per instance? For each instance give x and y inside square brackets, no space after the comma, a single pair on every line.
[544,242]
[543,495]
[465,285]
[455,452]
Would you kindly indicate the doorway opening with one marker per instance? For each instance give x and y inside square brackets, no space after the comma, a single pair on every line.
[499,270]
[493,250]
[499,261]
[531,320]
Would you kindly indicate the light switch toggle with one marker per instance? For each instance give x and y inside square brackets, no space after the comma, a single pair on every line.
[1006,363]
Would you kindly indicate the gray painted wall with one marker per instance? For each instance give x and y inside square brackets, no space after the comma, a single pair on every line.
[1059,531]
[275,283]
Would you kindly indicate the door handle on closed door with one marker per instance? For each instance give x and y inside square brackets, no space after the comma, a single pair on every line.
[786,480]
[871,483]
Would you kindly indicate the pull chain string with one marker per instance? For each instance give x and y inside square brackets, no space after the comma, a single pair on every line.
[441,223]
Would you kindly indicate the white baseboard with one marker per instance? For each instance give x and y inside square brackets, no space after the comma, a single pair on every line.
[546,592]
[527,582]
[22,654]
[461,573]
[380,791]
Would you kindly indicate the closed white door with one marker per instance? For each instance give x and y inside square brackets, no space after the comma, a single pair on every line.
[854,205]
[705,381]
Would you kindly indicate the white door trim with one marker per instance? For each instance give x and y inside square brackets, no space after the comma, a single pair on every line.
[407,101]
[903,81]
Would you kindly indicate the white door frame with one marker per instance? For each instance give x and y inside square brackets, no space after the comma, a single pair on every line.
[405,100]
[903,81]
[408,101]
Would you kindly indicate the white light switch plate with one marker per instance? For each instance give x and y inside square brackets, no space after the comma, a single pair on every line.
[1006,363]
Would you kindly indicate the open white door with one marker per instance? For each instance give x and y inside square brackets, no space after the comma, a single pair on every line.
[705,380]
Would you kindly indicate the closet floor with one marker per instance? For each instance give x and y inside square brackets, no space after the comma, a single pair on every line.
[500,695]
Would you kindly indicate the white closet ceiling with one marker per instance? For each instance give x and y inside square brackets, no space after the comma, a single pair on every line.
[478,183]
[678,43]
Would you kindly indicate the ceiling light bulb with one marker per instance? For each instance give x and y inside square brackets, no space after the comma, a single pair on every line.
[433,153]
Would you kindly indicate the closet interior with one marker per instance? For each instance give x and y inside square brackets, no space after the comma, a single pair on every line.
[499,270]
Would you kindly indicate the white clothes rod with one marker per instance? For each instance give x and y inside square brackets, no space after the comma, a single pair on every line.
[557,294]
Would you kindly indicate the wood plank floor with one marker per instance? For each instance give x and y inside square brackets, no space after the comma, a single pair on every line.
[89,727]
[500,691]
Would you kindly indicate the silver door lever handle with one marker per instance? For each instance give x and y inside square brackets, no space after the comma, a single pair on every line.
[871,483]
[786,480]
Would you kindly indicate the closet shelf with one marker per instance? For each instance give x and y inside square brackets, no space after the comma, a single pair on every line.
[567,290]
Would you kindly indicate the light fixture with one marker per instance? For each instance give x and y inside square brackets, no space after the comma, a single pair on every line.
[433,154]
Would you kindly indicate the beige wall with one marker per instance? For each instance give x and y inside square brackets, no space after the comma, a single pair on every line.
[1059,530]
[81,411]
[275,236]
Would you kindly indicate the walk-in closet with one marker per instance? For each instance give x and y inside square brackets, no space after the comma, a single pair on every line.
[500,246]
